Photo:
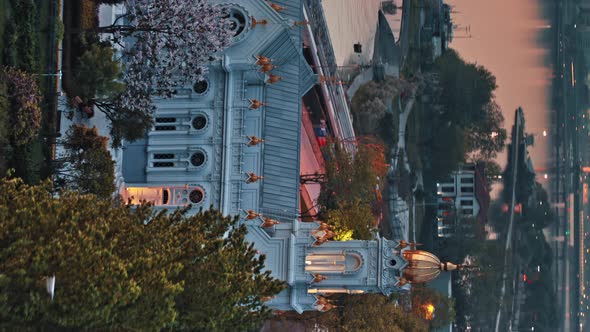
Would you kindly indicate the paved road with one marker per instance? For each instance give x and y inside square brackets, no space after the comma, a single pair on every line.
[508,269]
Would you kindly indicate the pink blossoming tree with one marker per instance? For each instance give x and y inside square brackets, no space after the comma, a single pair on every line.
[166,44]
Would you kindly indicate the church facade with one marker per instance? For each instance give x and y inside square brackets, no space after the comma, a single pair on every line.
[232,141]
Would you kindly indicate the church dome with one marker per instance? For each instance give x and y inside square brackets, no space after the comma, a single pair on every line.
[423,266]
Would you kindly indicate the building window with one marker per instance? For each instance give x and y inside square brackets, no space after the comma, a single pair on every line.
[165,120]
[201,87]
[196,196]
[199,122]
[445,206]
[165,196]
[468,212]
[466,203]
[198,159]
[467,180]
[164,164]
[236,21]
[466,189]
[448,189]
[165,128]
[163,155]
[469,167]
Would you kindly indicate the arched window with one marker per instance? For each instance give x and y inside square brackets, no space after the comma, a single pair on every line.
[196,196]
[201,87]
[198,158]
[236,21]
[342,262]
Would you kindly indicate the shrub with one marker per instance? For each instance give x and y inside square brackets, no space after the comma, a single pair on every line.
[24,98]
[88,14]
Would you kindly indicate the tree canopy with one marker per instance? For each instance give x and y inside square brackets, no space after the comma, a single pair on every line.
[124,268]
[174,40]
[87,165]
[24,111]
[465,119]
[351,176]
[362,313]
[98,74]
[353,216]
[466,88]
[444,307]
[349,196]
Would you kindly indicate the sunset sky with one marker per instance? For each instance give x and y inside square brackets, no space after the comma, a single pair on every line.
[505,41]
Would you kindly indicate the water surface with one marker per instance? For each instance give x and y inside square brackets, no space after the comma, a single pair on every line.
[506,39]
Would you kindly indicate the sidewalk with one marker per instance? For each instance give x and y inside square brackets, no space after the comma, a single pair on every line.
[106,16]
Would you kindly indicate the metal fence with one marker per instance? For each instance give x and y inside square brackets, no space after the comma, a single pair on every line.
[321,35]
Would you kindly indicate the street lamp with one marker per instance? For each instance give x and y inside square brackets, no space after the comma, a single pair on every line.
[58,74]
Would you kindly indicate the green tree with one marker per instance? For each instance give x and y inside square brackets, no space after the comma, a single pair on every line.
[539,212]
[375,312]
[98,81]
[487,137]
[98,74]
[104,263]
[464,118]
[129,124]
[466,89]
[87,165]
[353,216]
[224,281]
[361,313]
[124,268]
[445,149]
[370,108]
[349,195]
[349,177]
[492,170]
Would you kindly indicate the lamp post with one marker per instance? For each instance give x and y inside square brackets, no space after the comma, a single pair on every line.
[58,74]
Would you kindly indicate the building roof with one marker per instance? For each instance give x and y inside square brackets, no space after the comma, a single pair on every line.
[282,118]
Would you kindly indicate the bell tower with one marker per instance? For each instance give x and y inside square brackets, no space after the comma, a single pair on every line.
[314,267]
